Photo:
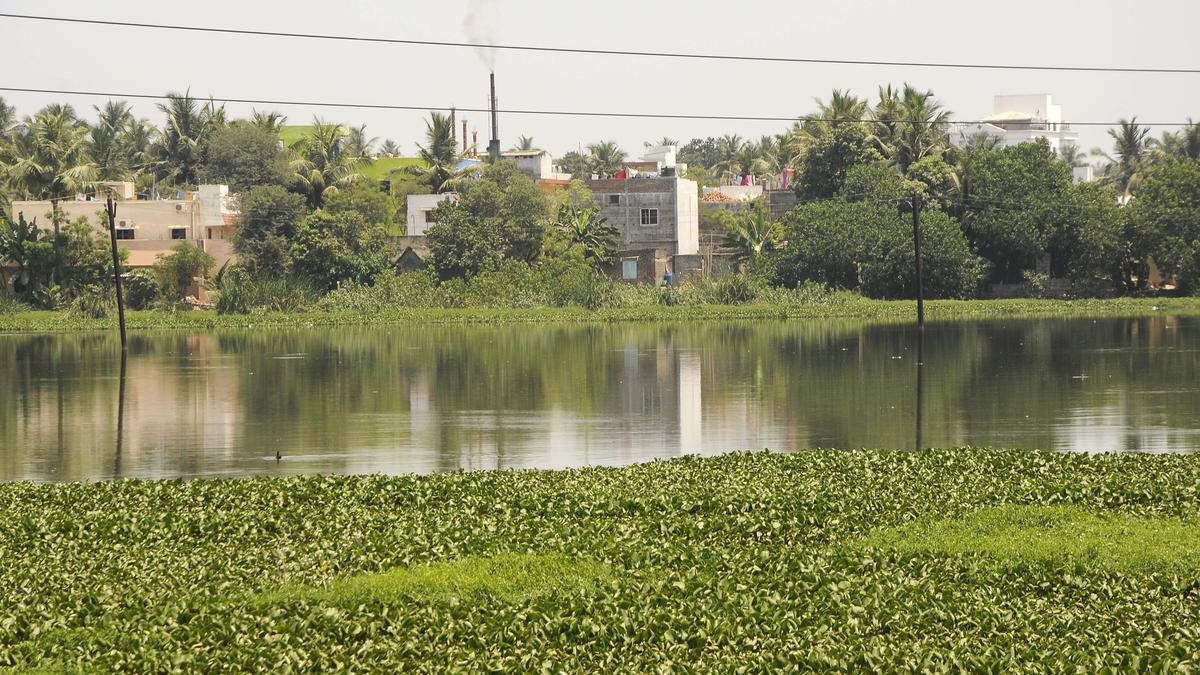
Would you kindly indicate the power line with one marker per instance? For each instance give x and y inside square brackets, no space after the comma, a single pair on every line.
[599,52]
[515,111]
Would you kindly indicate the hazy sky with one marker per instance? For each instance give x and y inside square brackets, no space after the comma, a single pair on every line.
[1151,33]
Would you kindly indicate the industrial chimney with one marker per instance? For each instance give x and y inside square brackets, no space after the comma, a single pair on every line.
[494,143]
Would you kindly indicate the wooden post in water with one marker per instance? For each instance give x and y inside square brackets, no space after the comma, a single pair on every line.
[916,209]
[111,209]
[920,381]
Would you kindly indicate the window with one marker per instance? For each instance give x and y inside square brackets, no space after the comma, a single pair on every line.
[179,233]
[649,216]
[125,232]
[629,269]
[614,200]
[429,216]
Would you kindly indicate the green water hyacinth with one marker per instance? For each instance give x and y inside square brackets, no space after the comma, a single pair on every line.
[749,562]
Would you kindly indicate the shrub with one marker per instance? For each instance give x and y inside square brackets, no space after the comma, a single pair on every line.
[236,292]
[94,302]
[177,271]
[141,289]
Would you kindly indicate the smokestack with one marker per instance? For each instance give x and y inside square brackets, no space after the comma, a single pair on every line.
[494,143]
[474,143]
[453,127]
[464,138]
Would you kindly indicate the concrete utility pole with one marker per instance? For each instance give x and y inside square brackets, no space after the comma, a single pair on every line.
[916,210]
[111,209]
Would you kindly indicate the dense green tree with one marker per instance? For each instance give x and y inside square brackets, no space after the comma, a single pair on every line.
[500,216]
[177,271]
[574,164]
[1087,242]
[868,246]
[243,155]
[266,226]
[333,249]
[1181,144]
[703,152]
[367,200]
[1166,218]
[1008,205]
[828,156]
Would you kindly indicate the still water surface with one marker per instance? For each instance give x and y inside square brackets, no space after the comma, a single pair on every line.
[431,398]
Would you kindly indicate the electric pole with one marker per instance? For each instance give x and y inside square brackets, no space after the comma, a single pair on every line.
[916,211]
[111,209]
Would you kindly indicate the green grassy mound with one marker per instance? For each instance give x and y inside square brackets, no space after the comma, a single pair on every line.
[1055,535]
[861,561]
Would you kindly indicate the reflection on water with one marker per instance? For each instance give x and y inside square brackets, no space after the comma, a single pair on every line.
[431,398]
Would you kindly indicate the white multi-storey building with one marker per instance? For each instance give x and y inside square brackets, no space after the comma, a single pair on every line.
[1026,117]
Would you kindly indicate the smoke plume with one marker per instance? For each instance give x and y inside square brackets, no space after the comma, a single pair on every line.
[480,25]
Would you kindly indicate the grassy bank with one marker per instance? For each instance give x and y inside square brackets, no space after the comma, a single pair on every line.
[836,306]
[867,560]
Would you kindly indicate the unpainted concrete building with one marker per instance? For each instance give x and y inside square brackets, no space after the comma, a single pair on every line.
[657,218]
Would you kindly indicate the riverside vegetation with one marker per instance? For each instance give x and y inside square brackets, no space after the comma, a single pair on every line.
[984,560]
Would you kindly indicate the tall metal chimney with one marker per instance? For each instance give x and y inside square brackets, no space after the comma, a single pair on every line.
[453,128]
[464,137]
[494,143]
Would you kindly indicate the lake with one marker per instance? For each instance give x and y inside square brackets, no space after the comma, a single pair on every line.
[397,399]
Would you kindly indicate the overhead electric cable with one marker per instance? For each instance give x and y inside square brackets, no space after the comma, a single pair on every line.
[600,52]
[517,111]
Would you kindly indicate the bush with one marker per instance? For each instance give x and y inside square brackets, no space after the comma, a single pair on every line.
[236,292]
[141,289]
[93,303]
[9,304]
[239,294]
[177,271]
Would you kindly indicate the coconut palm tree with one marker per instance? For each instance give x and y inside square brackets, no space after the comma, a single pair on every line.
[52,160]
[1130,159]
[748,160]
[751,234]
[439,154]
[910,125]
[1072,155]
[358,144]
[842,108]
[1183,144]
[389,148]
[109,141]
[605,158]
[665,140]
[523,143]
[728,147]
[321,164]
[271,121]
[586,228]
[179,144]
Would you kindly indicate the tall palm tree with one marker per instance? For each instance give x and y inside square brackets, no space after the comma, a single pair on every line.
[358,144]
[1072,155]
[748,160]
[665,140]
[390,148]
[524,143]
[1130,159]
[321,164]
[180,142]
[439,154]
[910,126]
[605,158]
[109,141]
[728,147]
[271,121]
[1183,144]
[52,160]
